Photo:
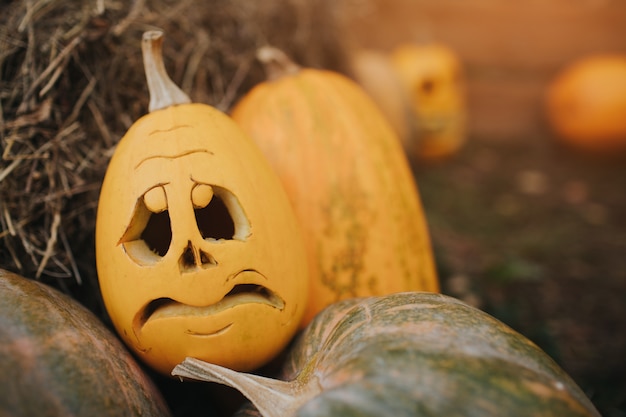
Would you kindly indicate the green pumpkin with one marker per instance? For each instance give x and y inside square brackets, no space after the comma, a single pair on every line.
[407,354]
[58,359]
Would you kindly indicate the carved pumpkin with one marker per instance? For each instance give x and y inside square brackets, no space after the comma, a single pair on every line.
[347,178]
[586,103]
[433,77]
[408,354]
[198,250]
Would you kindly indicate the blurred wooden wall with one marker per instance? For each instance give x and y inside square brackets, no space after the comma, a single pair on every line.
[510,49]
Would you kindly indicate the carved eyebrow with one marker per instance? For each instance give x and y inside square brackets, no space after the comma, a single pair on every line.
[189,152]
[171,129]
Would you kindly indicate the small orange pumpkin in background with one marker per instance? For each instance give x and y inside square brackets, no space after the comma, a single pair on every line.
[433,77]
[372,69]
[198,250]
[348,180]
[585,103]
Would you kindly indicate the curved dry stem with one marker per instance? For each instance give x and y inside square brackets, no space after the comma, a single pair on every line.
[163,92]
[272,397]
[276,63]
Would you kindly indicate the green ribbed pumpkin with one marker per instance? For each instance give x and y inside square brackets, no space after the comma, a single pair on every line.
[58,359]
[407,354]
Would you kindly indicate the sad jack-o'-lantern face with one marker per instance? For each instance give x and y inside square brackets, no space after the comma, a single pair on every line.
[198,251]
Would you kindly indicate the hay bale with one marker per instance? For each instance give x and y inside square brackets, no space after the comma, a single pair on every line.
[72,82]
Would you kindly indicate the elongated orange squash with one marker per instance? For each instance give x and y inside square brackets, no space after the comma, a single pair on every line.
[347,178]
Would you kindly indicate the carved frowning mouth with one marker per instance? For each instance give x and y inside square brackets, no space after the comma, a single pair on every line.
[240,294]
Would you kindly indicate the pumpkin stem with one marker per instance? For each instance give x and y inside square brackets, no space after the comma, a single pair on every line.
[277,64]
[163,92]
[272,397]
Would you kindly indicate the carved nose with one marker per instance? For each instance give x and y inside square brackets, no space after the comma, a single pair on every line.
[193,258]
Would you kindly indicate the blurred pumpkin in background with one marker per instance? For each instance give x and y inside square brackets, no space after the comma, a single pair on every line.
[585,103]
[198,250]
[433,76]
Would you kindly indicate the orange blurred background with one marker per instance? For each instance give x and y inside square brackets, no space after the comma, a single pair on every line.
[510,49]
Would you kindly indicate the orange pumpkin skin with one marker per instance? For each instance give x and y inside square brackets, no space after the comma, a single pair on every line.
[57,359]
[433,77]
[349,182]
[586,103]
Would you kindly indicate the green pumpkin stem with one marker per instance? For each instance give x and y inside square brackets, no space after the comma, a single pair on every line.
[277,64]
[163,92]
[272,397]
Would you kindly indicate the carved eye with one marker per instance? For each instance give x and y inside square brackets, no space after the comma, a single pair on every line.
[217,214]
[149,234]
[201,195]
[155,200]
[221,217]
